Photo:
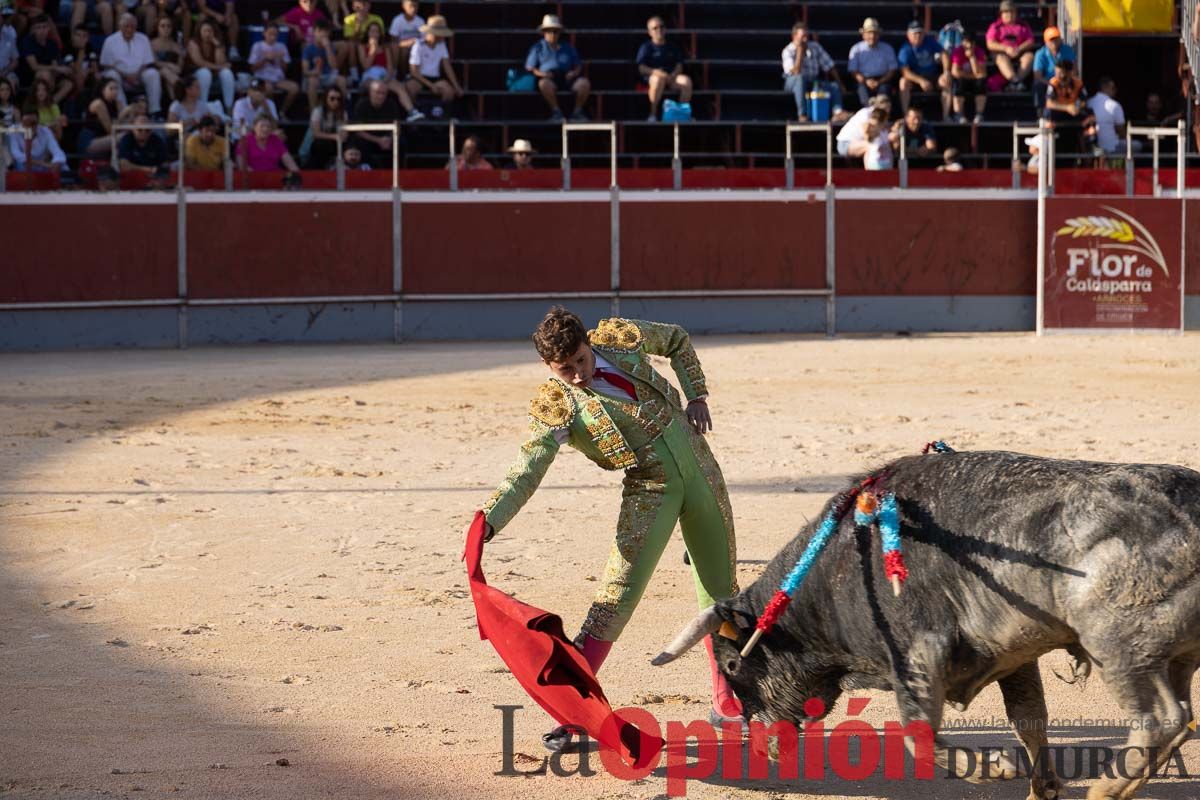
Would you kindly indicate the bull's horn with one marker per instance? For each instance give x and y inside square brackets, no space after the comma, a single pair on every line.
[705,623]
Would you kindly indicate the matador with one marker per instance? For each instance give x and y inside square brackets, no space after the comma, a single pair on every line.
[605,399]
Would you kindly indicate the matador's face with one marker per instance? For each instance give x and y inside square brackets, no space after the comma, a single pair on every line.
[576,370]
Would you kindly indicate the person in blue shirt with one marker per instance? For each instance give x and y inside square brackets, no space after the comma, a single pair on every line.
[1052,52]
[872,63]
[556,65]
[920,62]
[660,65]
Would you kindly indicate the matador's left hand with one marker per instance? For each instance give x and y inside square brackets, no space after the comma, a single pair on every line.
[698,415]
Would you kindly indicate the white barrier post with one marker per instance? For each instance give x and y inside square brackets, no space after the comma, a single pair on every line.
[789,165]
[1155,134]
[453,159]
[677,163]
[568,127]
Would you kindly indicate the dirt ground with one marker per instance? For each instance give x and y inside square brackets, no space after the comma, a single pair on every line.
[215,559]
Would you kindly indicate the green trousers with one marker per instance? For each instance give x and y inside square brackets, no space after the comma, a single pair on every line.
[677,479]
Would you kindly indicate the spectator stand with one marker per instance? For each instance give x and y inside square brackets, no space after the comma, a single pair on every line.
[572,127]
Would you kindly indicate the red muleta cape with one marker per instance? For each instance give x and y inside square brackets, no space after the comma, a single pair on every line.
[548,666]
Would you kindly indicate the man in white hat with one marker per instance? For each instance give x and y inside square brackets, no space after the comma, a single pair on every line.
[429,63]
[556,65]
[522,154]
[872,62]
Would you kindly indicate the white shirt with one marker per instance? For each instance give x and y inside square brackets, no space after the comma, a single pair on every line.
[244,114]
[127,57]
[266,67]
[43,145]
[1109,115]
[429,58]
[855,128]
[404,29]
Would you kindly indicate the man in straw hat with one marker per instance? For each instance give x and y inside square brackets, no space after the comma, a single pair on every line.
[522,154]
[872,63]
[556,65]
[429,63]
[605,399]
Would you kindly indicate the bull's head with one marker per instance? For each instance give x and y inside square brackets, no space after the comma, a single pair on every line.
[775,679]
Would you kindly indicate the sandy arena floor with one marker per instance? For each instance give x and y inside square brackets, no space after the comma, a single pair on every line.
[214,559]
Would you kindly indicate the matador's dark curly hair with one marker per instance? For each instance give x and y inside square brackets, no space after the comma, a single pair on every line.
[559,335]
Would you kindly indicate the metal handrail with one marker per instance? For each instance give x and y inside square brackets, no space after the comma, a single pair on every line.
[353,127]
[800,127]
[569,127]
[1041,129]
[153,126]
[1155,134]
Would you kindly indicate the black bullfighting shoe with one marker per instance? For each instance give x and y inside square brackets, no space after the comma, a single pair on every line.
[562,739]
[717,720]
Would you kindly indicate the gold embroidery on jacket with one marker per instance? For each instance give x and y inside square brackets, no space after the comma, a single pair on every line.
[552,407]
[606,436]
[616,334]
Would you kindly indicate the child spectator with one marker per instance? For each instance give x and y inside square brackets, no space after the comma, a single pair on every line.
[302,20]
[1011,40]
[354,30]
[807,66]
[49,114]
[405,30]
[660,64]
[1044,60]
[429,64]
[375,57]
[263,150]
[556,65]
[204,149]
[950,162]
[268,58]
[920,58]
[206,54]
[102,113]
[471,157]
[352,157]
[968,73]
[872,63]
[44,153]
[1065,98]
[319,60]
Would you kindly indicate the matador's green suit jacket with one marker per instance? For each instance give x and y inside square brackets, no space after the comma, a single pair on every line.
[587,419]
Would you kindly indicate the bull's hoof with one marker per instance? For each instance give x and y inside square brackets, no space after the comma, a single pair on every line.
[1050,790]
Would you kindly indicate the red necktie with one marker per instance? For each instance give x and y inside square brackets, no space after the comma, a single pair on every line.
[617,380]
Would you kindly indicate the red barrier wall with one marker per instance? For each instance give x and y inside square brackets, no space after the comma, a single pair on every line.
[71,253]
[743,245]
[936,247]
[506,247]
[288,250]
[1191,247]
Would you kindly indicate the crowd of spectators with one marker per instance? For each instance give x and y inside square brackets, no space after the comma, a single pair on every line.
[129,65]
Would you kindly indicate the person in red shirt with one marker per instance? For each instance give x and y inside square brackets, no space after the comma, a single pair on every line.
[300,21]
[1011,42]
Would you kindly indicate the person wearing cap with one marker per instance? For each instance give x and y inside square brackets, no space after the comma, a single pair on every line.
[1010,41]
[806,65]
[1049,54]
[660,64]
[872,62]
[556,65]
[920,57]
[204,149]
[247,108]
[522,154]
[429,64]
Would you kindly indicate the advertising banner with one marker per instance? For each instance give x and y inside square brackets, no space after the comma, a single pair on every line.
[1113,263]
[1128,16]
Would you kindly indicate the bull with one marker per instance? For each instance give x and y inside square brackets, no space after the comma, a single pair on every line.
[1010,556]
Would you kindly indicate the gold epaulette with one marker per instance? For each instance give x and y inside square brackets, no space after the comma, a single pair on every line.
[616,334]
[552,407]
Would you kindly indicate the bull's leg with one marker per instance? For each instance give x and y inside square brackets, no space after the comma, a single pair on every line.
[1151,702]
[920,694]
[1025,702]
[1180,674]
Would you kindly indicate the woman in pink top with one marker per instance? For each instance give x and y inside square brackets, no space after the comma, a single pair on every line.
[263,151]
[1011,42]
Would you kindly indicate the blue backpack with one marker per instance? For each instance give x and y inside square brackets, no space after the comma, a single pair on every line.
[520,81]
[676,112]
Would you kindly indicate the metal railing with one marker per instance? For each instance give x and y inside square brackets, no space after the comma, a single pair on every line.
[381,127]
[1155,134]
[789,164]
[177,127]
[1045,164]
[570,127]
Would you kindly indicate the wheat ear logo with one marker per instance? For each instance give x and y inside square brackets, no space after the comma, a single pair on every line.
[1123,232]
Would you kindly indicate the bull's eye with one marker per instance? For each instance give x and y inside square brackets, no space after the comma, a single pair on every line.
[731,666]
